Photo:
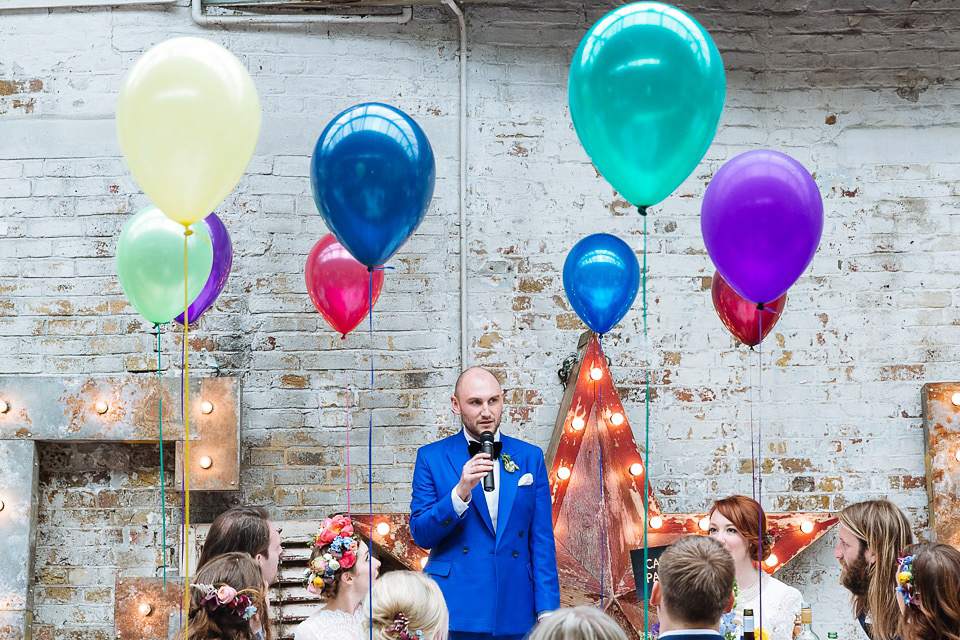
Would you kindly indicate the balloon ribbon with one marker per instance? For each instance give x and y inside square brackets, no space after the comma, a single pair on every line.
[646,449]
[163,481]
[186,440]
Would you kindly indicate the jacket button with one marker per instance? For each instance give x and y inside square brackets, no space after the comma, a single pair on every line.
[515,554]
[521,534]
[446,523]
[465,549]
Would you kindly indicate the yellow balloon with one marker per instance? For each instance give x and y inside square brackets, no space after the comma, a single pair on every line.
[188,120]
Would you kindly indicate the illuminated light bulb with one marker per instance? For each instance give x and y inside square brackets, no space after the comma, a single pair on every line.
[596,373]
[206,462]
[383,528]
[616,419]
[101,407]
[958,455]
[423,561]
[578,423]
[806,526]
[145,608]
[563,473]
[955,399]
[2,505]
[656,522]
[4,406]
[636,469]
[704,523]
[206,407]
[772,560]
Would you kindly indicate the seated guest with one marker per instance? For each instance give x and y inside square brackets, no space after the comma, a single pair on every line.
[248,530]
[226,597]
[870,536]
[339,572]
[740,525]
[694,590]
[578,623]
[929,592]
[407,605]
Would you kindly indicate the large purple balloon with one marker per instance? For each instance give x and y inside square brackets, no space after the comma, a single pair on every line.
[761,218]
[222,261]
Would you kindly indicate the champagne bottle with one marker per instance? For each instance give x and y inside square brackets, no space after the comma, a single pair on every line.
[806,617]
[748,627]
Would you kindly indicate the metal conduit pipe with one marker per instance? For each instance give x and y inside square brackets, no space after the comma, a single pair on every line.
[202,18]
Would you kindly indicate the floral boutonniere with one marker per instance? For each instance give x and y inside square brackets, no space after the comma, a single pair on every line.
[508,465]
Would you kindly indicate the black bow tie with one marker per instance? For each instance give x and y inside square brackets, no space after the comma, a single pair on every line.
[475,448]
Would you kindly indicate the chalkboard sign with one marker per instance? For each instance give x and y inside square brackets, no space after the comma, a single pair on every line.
[650,571]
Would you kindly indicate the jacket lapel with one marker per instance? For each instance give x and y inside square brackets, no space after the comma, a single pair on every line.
[458,454]
[508,489]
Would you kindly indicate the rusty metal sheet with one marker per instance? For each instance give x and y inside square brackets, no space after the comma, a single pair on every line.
[215,436]
[163,617]
[941,430]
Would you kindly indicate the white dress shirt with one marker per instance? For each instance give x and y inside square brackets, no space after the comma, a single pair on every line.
[492,497]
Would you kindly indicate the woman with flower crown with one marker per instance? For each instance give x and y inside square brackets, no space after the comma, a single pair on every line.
[740,524]
[407,605]
[928,588]
[228,601]
[339,572]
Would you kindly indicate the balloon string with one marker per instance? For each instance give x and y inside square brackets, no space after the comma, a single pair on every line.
[186,439]
[646,450]
[760,519]
[163,481]
[346,375]
[598,397]
[370,452]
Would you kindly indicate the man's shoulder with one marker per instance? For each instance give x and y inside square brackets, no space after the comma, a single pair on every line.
[524,448]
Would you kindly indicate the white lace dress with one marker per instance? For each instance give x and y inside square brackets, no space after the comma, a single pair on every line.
[781,604]
[327,624]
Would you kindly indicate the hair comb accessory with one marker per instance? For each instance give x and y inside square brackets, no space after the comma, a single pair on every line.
[401,628]
[905,584]
[226,597]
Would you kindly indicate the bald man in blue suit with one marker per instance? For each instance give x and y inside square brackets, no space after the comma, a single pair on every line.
[492,553]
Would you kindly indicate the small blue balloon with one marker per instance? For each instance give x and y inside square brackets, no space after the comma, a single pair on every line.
[601,277]
[372,174]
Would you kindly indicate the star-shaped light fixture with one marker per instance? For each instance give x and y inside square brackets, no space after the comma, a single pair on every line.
[597,482]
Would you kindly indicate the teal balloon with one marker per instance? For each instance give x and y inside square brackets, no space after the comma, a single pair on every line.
[150,264]
[646,91]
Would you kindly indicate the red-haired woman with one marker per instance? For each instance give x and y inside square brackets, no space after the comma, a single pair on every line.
[740,524]
[929,592]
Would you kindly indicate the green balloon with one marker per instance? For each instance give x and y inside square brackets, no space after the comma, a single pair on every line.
[646,90]
[150,264]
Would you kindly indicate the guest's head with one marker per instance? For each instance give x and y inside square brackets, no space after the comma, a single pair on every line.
[248,530]
[740,525]
[340,563]
[225,595]
[578,623]
[405,602]
[929,592]
[478,400]
[696,584]
[869,537]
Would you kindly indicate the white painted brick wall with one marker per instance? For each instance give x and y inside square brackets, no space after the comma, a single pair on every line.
[861,92]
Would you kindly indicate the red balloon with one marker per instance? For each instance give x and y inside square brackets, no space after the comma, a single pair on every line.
[339,285]
[742,317]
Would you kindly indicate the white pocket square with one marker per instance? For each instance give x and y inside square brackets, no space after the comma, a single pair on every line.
[525,479]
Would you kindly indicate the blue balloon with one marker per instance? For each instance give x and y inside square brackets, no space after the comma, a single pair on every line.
[372,174]
[601,277]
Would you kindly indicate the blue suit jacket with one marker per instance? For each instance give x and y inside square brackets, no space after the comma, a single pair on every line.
[493,581]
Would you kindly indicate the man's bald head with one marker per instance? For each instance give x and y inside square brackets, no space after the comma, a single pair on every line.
[478,400]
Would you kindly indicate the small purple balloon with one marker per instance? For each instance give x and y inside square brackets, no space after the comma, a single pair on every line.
[222,261]
[761,218]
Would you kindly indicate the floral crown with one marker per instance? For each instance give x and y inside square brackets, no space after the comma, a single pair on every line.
[337,533]
[401,628]
[905,583]
[226,597]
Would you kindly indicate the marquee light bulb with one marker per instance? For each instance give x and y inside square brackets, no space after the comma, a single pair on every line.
[656,522]
[955,399]
[578,423]
[596,373]
[563,473]
[383,528]
[2,505]
[4,406]
[958,455]
[636,469]
[145,608]
[101,407]
[806,526]
[206,462]
[206,407]
[772,560]
[616,419]
[704,523]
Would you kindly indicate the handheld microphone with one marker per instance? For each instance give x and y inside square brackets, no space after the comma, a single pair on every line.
[486,446]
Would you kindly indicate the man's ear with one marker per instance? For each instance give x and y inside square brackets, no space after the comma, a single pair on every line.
[655,594]
[730,604]
[455,405]
[869,556]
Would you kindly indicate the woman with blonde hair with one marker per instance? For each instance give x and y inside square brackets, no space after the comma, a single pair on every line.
[928,581]
[228,601]
[407,605]
[578,623]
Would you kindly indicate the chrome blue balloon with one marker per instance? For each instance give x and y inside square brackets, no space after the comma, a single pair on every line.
[372,175]
[601,277]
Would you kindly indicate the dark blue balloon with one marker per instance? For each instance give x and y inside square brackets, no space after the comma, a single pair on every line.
[601,277]
[372,174]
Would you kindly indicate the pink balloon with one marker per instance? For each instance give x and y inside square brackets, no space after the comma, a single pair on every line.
[339,286]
